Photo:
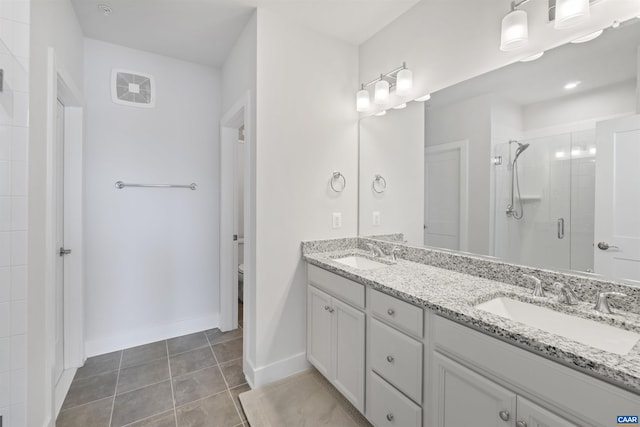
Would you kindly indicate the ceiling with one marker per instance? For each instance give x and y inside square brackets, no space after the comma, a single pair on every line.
[605,61]
[204,31]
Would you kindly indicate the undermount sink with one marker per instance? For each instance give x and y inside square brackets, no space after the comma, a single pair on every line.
[360,262]
[589,332]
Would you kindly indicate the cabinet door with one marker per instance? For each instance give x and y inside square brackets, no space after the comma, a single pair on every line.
[467,398]
[319,330]
[348,352]
[532,415]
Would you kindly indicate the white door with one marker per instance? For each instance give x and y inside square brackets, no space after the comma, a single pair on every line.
[617,201]
[445,196]
[319,330]
[465,398]
[348,352]
[59,221]
[532,415]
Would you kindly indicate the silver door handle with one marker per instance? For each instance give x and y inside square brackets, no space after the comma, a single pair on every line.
[235,237]
[64,252]
[604,246]
[560,228]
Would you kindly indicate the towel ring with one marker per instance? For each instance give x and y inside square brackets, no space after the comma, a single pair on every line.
[337,176]
[379,184]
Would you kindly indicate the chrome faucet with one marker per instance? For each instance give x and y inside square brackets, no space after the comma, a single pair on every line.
[375,250]
[602,301]
[566,295]
[394,253]
[538,291]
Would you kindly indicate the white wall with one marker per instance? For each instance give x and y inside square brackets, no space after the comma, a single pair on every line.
[446,42]
[306,129]
[469,120]
[151,254]
[53,24]
[14,102]
[393,146]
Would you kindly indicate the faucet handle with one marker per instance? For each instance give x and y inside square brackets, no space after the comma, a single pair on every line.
[538,291]
[394,253]
[602,301]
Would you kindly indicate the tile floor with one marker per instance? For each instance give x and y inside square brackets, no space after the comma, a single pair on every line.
[190,381]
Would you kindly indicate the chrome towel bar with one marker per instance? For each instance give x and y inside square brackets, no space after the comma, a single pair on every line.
[120,185]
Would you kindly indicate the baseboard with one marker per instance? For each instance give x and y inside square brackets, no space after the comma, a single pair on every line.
[148,335]
[262,375]
[62,388]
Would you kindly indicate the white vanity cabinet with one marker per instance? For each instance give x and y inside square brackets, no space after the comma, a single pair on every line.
[336,333]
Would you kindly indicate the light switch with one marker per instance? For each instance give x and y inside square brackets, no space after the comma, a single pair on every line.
[376,218]
[337,219]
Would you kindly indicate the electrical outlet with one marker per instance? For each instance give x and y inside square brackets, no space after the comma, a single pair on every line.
[337,220]
[376,218]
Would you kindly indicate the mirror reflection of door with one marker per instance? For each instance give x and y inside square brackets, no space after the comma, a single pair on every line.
[617,216]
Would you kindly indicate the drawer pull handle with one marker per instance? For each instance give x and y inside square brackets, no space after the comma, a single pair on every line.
[329,309]
[504,415]
[391,312]
[521,424]
[389,416]
[390,359]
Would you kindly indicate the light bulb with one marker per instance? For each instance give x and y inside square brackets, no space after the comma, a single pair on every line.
[381,92]
[515,31]
[570,13]
[362,100]
[404,82]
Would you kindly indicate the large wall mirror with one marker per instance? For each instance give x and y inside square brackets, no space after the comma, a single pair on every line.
[537,163]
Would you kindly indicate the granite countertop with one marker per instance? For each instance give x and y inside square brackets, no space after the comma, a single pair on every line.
[454,295]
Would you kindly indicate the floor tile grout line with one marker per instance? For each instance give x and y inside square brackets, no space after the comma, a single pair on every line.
[144,386]
[228,390]
[115,392]
[173,396]
[144,419]
[84,404]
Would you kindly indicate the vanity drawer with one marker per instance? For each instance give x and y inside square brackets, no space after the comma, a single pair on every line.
[345,289]
[397,358]
[388,407]
[398,313]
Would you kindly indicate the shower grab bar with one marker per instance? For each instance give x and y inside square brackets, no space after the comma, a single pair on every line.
[120,185]
[560,228]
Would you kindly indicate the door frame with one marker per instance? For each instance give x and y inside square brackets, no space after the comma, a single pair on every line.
[237,116]
[61,86]
[463,147]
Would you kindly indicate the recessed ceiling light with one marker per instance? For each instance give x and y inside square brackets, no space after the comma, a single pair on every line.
[105,9]
[400,107]
[616,24]
[576,152]
[424,98]
[592,150]
[559,154]
[588,37]
[532,57]
[571,85]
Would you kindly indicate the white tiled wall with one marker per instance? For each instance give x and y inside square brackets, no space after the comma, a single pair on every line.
[14,98]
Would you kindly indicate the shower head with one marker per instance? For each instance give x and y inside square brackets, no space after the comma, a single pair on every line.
[520,150]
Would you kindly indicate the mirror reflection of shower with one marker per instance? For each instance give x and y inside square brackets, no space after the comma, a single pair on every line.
[512,211]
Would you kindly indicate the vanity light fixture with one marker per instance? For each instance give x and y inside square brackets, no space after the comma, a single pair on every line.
[515,28]
[532,57]
[424,98]
[570,13]
[400,79]
[588,37]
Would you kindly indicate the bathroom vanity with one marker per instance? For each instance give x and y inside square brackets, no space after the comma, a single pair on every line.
[409,344]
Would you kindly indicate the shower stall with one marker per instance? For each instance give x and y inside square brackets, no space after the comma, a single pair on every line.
[544,201]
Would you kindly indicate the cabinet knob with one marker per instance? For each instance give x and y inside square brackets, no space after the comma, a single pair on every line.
[389,416]
[391,312]
[390,359]
[331,310]
[504,415]
[521,424]
[326,307]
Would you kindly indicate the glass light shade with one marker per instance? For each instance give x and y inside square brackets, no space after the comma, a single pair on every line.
[400,107]
[404,82]
[362,100]
[570,13]
[424,98]
[381,113]
[381,92]
[532,57]
[588,37]
[515,31]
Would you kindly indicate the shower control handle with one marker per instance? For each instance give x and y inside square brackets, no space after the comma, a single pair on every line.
[560,228]
[603,246]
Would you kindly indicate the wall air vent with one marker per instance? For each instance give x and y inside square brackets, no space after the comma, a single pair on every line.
[133,88]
